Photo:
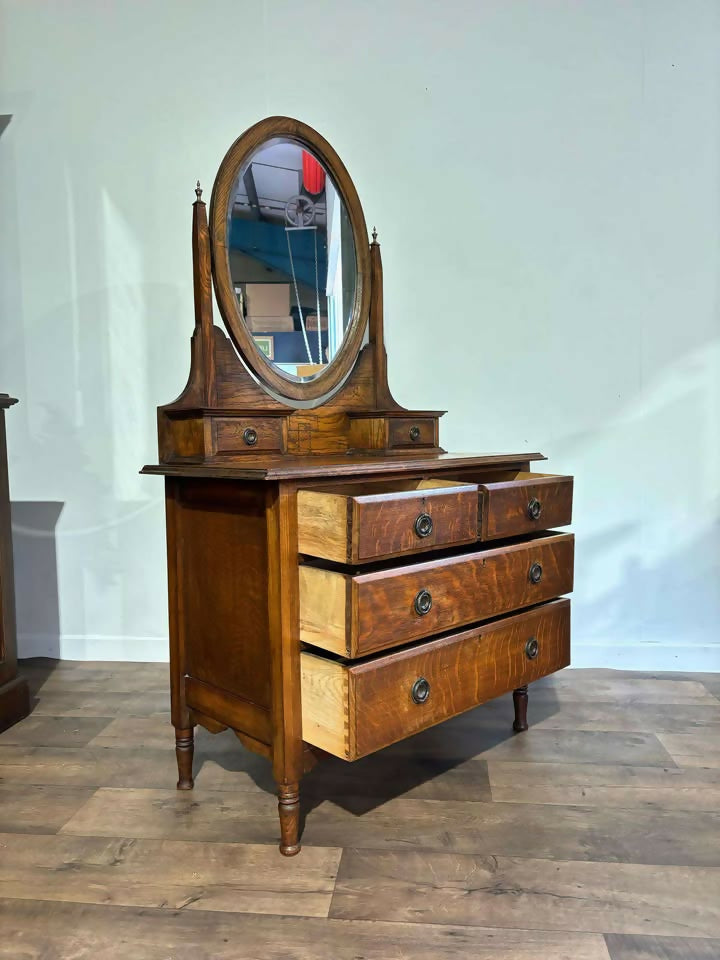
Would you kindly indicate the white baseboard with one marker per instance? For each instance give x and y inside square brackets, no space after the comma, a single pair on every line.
[693,657]
[110,648]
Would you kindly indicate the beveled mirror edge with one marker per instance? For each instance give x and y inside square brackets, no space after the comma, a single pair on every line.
[326,383]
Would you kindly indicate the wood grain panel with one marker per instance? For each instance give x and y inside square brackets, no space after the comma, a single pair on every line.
[233,711]
[324,466]
[353,710]
[229,434]
[464,589]
[409,432]
[356,523]
[504,505]
[386,526]
[325,604]
[223,575]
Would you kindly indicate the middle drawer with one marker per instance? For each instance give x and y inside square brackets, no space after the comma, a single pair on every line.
[356,614]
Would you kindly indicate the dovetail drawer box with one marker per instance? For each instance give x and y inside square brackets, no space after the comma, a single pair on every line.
[356,614]
[336,580]
[351,709]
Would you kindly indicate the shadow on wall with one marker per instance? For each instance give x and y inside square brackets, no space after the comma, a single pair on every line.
[663,614]
[647,572]
[36,578]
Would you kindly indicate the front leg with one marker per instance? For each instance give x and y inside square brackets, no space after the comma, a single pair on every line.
[520,702]
[184,748]
[289,810]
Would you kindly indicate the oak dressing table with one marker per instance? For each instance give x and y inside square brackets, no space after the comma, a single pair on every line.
[337,581]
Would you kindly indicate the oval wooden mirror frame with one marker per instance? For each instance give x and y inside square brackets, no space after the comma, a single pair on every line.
[284,385]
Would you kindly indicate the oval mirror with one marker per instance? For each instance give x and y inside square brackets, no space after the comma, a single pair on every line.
[290,256]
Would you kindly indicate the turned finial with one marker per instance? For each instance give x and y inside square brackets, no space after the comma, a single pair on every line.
[374,235]
[198,191]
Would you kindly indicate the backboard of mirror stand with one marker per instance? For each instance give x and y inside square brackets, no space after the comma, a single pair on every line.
[225,414]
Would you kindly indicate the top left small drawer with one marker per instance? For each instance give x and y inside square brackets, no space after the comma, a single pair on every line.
[361,522]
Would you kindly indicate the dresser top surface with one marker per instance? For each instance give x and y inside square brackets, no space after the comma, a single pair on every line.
[341,465]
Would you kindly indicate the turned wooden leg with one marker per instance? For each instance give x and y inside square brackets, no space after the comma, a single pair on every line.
[520,702]
[184,745]
[289,810]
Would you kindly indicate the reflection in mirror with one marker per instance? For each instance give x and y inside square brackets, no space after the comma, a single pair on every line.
[292,257]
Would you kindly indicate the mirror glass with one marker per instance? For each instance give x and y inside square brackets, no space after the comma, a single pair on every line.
[292,257]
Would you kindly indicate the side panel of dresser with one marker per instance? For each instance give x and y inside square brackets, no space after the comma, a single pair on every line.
[217,568]
[14,697]
[234,644]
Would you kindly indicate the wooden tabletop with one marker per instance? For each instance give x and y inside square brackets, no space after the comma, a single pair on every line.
[356,464]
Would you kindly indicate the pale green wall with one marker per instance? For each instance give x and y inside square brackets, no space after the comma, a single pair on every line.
[544,178]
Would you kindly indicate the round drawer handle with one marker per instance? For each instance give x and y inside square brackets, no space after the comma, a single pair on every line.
[535,573]
[250,436]
[414,433]
[532,648]
[423,603]
[534,509]
[420,690]
[424,525]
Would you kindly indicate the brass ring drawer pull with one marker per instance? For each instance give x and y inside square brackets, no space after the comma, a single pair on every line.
[532,648]
[424,525]
[534,509]
[414,433]
[535,573]
[250,436]
[423,603]
[420,690]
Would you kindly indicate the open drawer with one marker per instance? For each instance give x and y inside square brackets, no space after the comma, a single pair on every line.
[351,710]
[360,522]
[518,503]
[357,613]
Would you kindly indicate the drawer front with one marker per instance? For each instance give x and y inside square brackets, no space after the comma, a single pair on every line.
[357,615]
[348,525]
[351,711]
[405,432]
[248,435]
[525,504]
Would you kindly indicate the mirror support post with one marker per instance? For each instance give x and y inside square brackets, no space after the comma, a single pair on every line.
[203,297]
[383,397]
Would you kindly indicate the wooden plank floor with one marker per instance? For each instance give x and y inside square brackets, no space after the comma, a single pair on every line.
[594,836]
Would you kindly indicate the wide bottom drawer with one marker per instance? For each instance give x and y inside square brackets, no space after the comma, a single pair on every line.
[352,709]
